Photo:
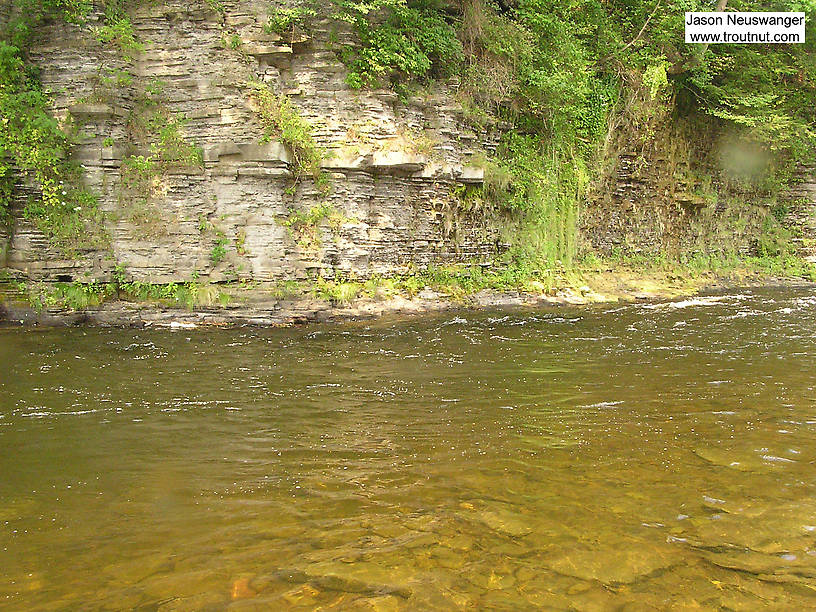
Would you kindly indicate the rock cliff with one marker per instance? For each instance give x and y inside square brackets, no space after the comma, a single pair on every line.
[392,163]
[241,210]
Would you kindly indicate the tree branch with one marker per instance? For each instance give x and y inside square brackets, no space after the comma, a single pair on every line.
[639,34]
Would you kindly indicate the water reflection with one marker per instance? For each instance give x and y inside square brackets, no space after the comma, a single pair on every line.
[641,456]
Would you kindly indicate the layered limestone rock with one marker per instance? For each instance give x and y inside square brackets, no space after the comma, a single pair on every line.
[801,215]
[392,163]
[679,189]
[648,205]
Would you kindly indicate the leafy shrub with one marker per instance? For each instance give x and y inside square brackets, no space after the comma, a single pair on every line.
[286,20]
[411,43]
[281,120]
[33,141]
[118,30]
[218,251]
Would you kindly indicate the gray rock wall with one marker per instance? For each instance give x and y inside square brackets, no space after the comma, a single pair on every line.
[801,217]
[651,206]
[392,163]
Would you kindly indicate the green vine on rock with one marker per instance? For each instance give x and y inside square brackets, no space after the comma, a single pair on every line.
[35,144]
[158,131]
[117,29]
[281,120]
[399,43]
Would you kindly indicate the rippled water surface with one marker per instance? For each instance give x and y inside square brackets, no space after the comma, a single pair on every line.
[641,457]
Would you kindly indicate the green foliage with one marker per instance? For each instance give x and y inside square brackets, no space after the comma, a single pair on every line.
[170,148]
[153,124]
[159,130]
[339,292]
[304,227]
[219,247]
[138,172]
[460,282]
[286,20]
[698,264]
[188,294]
[26,16]
[775,240]
[37,144]
[33,141]
[554,75]
[217,7]
[398,43]
[286,289]
[281,120]
[118,30]
[218,251]
[560,72]
[233,41]
[534,68]
[204,224]
[6,190]
[540,190]
[764,91]
[451,282]
[240,242]
[73,296]
[655,79]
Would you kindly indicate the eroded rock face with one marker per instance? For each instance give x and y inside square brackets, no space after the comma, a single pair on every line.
[392,164]
[652,202]
[801,211]
[4,245]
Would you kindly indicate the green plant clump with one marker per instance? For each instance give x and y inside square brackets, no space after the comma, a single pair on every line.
[304,226]
[33,142]
[159,130]
[412,42]
[118,30]
[73,296]
[218,251]
[286,20]
[78,295]
[281,120]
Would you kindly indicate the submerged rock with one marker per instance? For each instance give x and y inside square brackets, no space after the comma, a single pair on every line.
[241,589]
[359,577]
[202,601]
[796,568]
[304,595]
[622,564]
[742,459]
[384,603]
[183,584]
[505,522]
[756,536]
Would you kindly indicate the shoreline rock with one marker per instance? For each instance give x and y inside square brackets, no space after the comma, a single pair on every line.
[262,310]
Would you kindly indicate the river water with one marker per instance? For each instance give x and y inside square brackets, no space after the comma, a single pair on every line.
[631,457]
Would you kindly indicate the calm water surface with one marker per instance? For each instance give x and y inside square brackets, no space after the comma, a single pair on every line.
[637,457]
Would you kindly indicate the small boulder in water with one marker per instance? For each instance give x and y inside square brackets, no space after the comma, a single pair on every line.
[241,589]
